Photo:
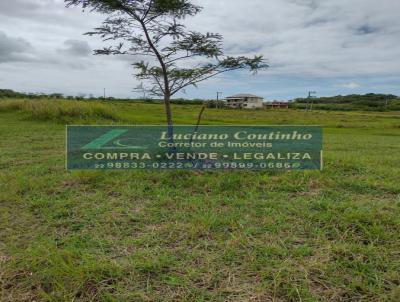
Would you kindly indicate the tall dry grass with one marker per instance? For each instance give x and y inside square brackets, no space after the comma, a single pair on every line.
[60,110]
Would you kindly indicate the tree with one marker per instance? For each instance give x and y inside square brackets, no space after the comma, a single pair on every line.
[177,57]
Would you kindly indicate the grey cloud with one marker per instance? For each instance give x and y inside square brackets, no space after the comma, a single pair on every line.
[312,4]
[301,38]
[76,48]
[45,12]
[19,7]
[350,85]
[239,49]
[13,49]
[324,38]
[366,29]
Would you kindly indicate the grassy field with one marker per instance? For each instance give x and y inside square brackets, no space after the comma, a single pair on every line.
[190,236]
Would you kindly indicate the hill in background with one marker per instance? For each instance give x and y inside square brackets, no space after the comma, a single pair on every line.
[368,102]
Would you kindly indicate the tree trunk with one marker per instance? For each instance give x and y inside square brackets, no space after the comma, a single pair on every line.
[168,113]
[199,117]
[198,122]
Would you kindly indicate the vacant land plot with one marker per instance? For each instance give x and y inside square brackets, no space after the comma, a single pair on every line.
[190,236]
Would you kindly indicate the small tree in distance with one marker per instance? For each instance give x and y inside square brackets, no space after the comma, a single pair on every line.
[177,57]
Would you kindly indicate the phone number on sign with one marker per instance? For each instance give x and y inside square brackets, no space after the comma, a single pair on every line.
[198,165]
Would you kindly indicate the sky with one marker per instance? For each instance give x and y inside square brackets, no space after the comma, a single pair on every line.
[332,47]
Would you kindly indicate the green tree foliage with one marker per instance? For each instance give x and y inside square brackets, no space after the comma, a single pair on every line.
[370,101]
[216,104]
[176,57]
[8,93]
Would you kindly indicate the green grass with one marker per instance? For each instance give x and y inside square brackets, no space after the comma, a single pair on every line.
[189,236]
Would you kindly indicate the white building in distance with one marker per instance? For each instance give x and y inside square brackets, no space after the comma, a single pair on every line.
[245,101]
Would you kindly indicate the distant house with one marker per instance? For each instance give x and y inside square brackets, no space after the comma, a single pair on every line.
[277,105]
[245,101]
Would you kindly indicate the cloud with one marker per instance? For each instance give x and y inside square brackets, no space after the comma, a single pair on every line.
[350,85]
[19,7]
[366,29]
[51,12]
[327,38]
[330,45]
[14,49]
[76,48]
